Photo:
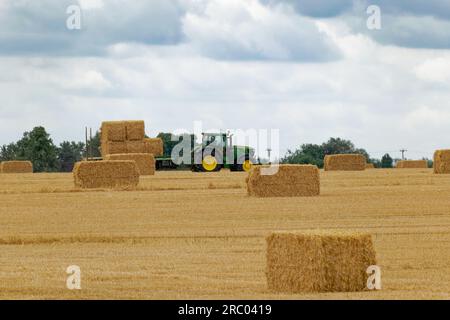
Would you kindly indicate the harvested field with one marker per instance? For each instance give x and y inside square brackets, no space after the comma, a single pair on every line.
[16,167]
[163,242]
[442,162]
[412,164]
[144,161]
[345,162]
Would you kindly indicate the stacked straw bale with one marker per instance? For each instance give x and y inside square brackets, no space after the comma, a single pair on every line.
[370,166]
[442,162]
[154,146]
[289,181]
[135,130]
[119,137]
[106,174]
[345,162]
[318,261]
[144,161]
[16,167]
[412,164]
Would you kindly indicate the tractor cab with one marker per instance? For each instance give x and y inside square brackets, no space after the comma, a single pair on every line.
[217,152]
[214,139]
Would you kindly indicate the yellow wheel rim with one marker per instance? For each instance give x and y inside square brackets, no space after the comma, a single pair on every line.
[247,165]
[209,163]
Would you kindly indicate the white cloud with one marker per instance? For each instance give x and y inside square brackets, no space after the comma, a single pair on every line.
[246,30]
[434,70]
[239,65]
[91,4]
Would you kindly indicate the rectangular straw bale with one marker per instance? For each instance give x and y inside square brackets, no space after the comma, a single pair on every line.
[289,181]
[442,162]
[144,161]
[412,164]
[111,147]
[318,261]
[154,146]
[345,162]
[136,147]
[135,130]
[106,174]
[16,167]
[113,131]
[370,166]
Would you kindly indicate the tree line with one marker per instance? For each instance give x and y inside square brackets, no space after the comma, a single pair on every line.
[315,153]
[38,147]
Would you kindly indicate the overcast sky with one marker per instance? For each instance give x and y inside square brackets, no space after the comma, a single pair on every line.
[310,68]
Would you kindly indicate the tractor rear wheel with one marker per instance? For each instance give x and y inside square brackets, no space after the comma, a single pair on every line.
[210,164]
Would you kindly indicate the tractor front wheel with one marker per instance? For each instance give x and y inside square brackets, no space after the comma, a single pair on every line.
[244,165]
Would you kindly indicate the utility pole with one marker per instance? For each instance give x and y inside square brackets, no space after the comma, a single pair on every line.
[403,153]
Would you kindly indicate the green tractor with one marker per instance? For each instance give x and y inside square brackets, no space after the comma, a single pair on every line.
[217,151]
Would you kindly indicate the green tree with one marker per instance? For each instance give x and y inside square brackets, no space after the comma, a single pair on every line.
[387,161]
[93,146]
[307,154]
[8,152]
[37,147]
[314,154]
[68,154]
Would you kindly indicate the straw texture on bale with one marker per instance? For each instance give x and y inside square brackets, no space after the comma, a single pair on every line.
[135,130]
[113,131]
[318,261]
[442,162]
[144,161]
[106,174]
[289,181]
[370,166]
[412,164]
[154,146]
[111,147]
[16,167]
[345,162]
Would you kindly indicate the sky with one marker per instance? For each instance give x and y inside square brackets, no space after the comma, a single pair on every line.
[312,69]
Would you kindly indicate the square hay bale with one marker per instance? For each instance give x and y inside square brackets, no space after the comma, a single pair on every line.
[16,167]
[154,146]
[370,166]
[144,161]
[289,181]
[113,131]
[136,147]
[442,162]
[318,261]
[106,174]
[135,130]
[111,147]
[345,162]
[412,164]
